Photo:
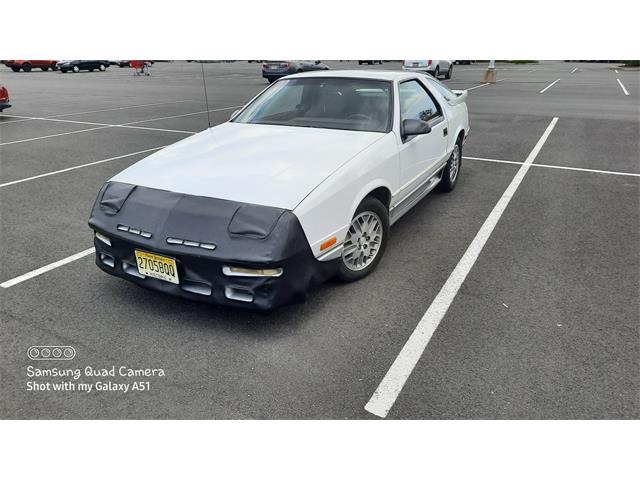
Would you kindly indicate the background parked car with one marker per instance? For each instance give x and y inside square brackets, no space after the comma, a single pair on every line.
[4,98]
[76,65]
[27,65]
[462,62]
[120,63]
[432,67]
[370,62]
[275,69]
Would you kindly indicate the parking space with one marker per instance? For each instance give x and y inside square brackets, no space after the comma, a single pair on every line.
[548,329]
[545,324]
[46,155]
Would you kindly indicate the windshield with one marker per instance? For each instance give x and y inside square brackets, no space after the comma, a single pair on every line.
[336,103]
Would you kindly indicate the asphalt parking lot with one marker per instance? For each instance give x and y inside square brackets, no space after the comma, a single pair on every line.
[545,325]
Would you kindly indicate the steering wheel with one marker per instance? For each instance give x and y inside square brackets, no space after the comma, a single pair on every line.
[359,116]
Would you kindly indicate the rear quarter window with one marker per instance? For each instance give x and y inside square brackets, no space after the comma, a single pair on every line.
[442,89]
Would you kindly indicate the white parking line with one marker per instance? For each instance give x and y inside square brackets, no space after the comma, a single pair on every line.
[134,125]
[549,86]
[154,129]
[105,125]
[391,385]
[31,117]
[79,166]
[120,108]
[616,71]
[4,115]
[485,84]
[559,167]
[574,70]
[46,268]
[183,115]
[478,86]
[622,86]
[53,135]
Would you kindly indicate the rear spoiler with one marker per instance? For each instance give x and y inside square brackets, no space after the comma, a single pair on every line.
[461,96]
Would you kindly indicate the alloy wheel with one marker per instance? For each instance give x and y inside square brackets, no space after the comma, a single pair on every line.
[454,163]
[363,241]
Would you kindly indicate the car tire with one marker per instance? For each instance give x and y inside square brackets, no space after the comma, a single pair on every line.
[62,70]
[26,67]
[75,69]
[449,72]
[44,69]
[351,269]
[451,171]
[360,63]
[102,68]
[54,67]
[15,69]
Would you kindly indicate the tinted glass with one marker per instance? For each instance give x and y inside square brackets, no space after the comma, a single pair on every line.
[442,88]
[335,103]
[415,102]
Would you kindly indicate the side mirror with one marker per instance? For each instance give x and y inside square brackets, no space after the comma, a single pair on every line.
[411,127]
[236,112]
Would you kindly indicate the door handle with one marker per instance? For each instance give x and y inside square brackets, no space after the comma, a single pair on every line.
[445,132]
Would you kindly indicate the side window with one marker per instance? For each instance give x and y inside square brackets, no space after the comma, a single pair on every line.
[416,103]
[443,89]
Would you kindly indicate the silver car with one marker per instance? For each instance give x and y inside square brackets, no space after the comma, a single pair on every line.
[435,68]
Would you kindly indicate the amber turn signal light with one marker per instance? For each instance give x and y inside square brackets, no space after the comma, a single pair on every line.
[328,243]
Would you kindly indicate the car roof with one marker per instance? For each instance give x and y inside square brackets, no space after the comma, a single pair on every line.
[392,75]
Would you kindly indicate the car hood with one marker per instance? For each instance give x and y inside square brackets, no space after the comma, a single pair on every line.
[269,165]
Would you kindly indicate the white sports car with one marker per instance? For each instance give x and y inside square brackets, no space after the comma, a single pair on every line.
[301,185]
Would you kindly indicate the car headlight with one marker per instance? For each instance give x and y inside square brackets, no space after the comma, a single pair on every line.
[103,238]
[114,196]
[254,221]
[251,272]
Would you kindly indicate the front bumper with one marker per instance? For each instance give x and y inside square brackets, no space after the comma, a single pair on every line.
[4,105]
[170,215]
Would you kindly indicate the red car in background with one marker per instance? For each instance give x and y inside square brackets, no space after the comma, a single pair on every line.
[27,65]
[4,98]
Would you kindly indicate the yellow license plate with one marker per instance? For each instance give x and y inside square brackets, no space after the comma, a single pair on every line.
[157,266]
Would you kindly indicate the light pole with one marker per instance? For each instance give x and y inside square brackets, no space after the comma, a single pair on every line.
[490,74]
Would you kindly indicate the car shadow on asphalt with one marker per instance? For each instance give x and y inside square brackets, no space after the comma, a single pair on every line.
[201,315]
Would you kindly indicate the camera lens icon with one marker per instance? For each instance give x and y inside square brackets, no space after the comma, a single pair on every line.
[51,352]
